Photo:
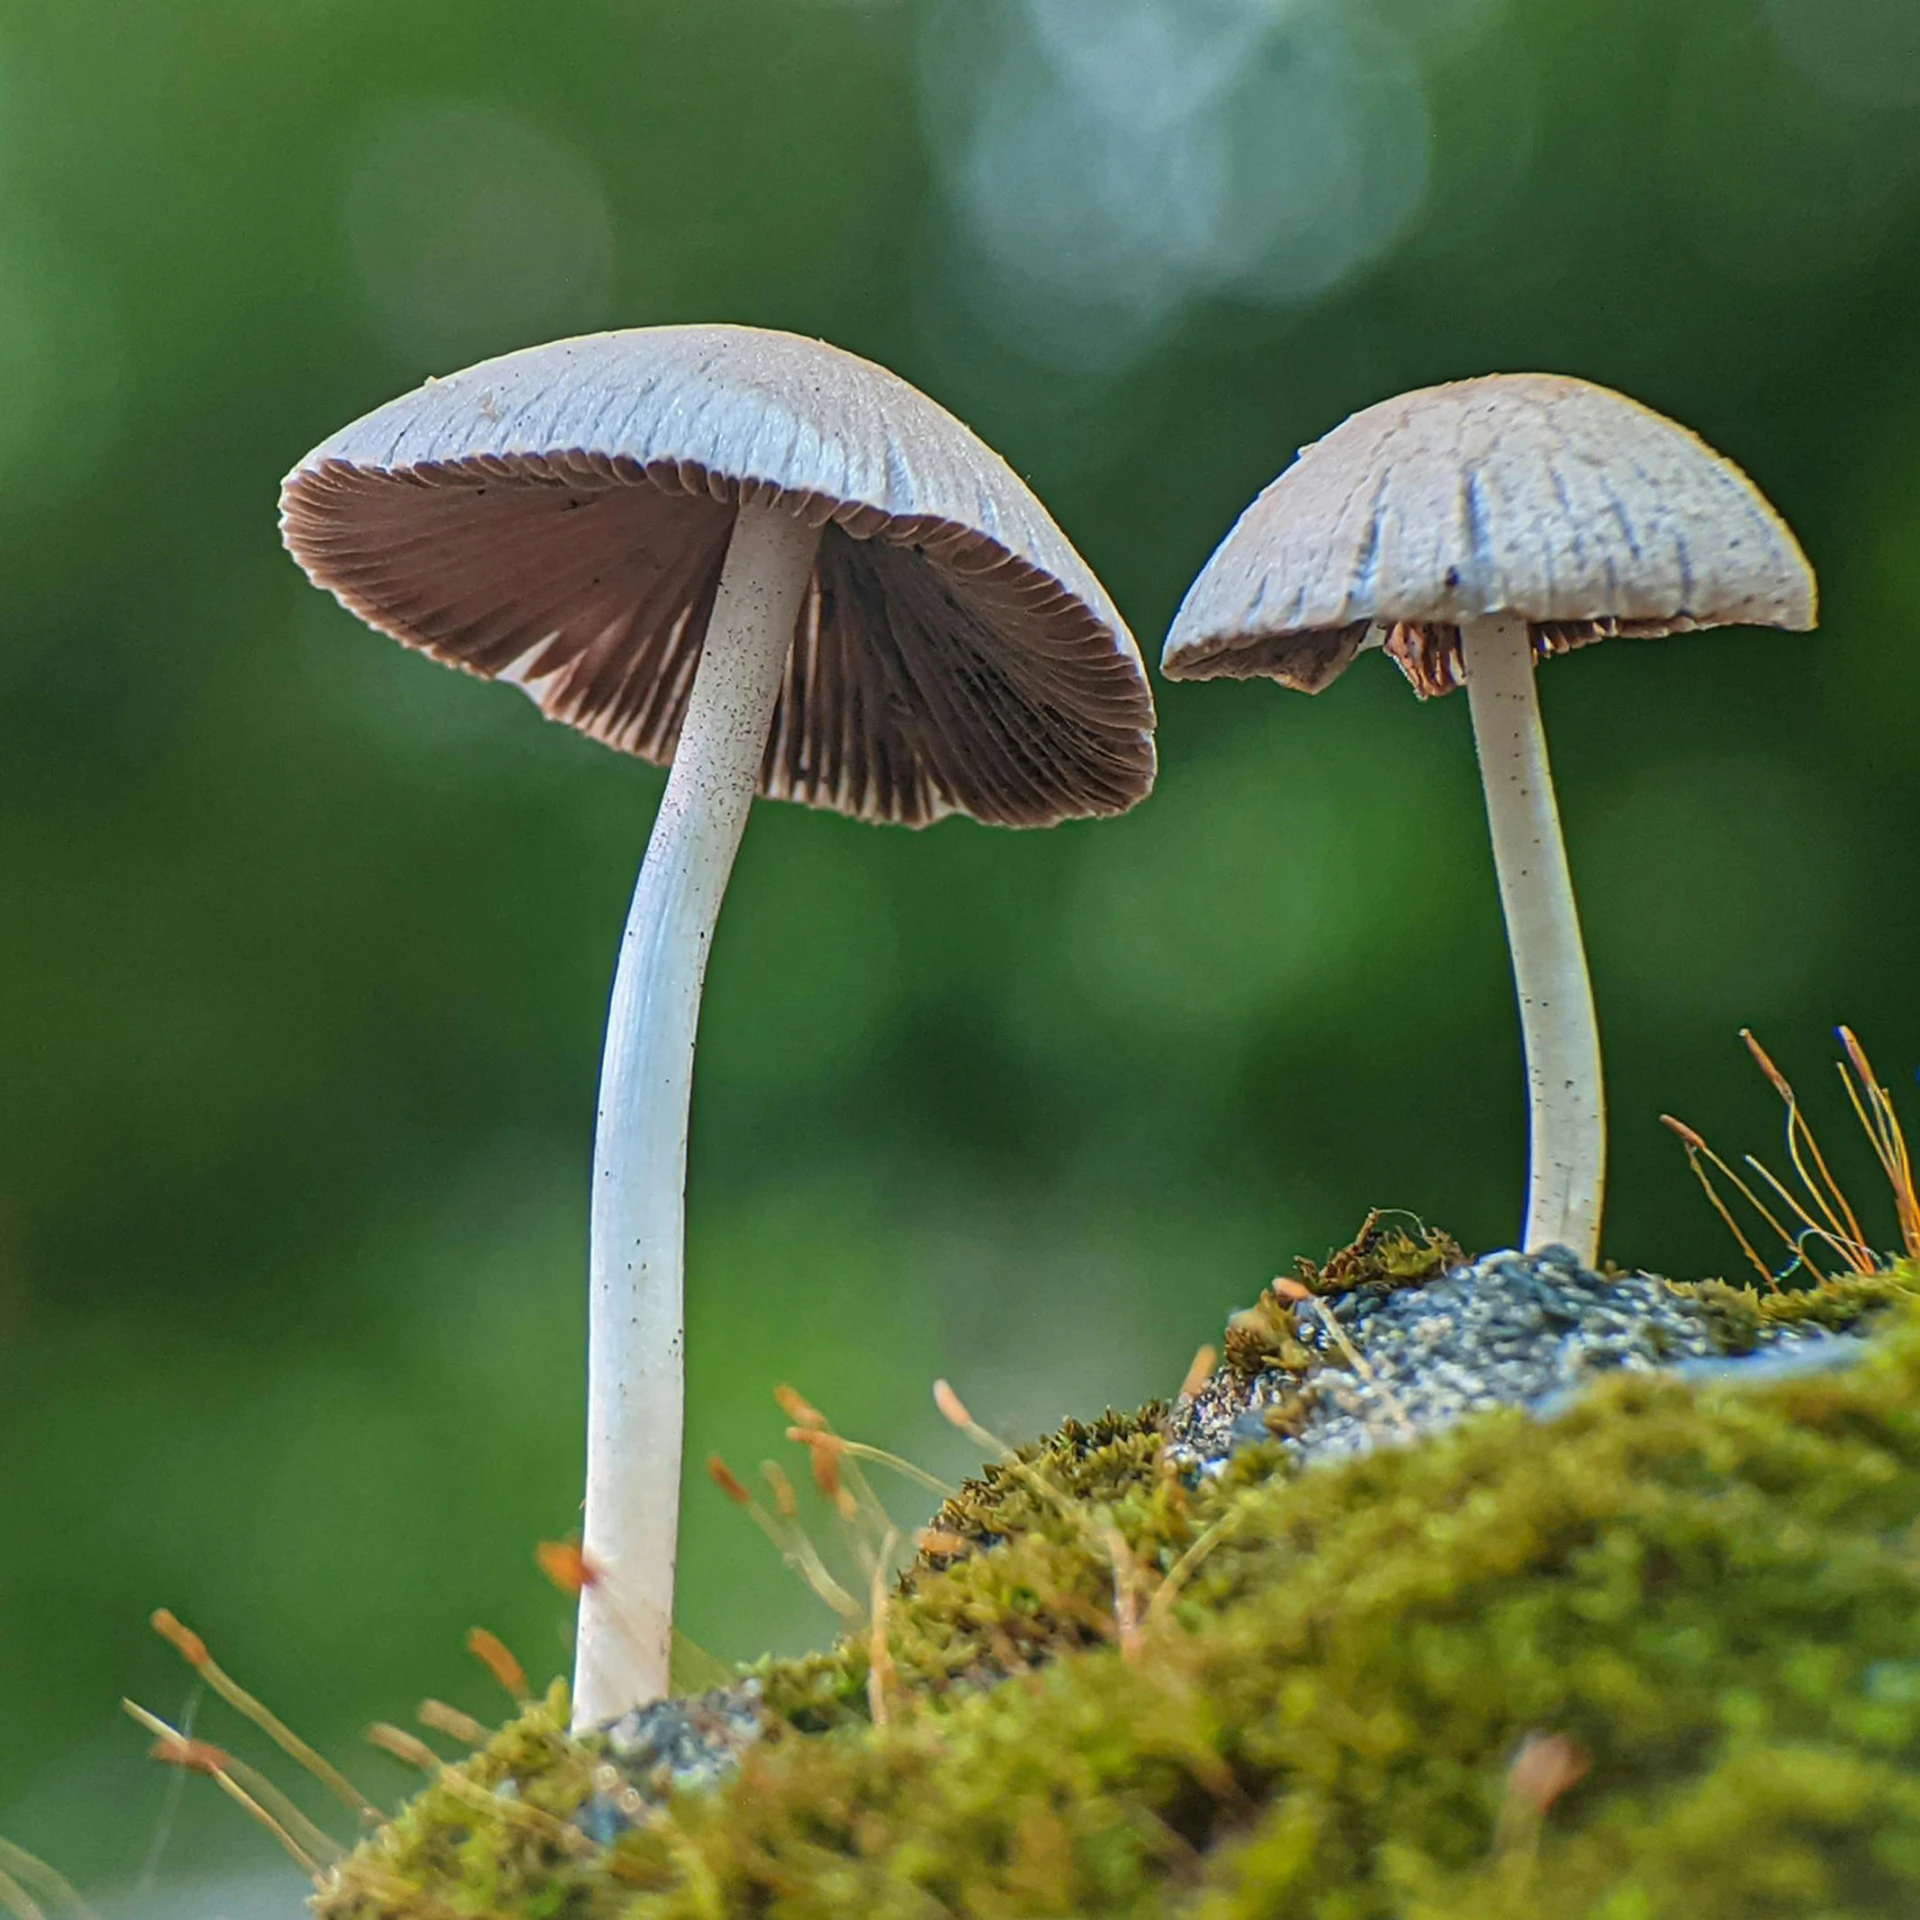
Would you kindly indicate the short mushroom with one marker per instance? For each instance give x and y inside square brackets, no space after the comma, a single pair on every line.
[1471,530]
[782,569]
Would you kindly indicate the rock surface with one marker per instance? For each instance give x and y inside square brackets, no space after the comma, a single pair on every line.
[1388,1363]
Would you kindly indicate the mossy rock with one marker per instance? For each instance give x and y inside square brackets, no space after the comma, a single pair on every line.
[1656,1659]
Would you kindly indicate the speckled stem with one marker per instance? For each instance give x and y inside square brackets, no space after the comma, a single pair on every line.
[636,1387]
[1567,1158]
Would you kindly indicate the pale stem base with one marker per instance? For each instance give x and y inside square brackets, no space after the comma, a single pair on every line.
[636,1388]
[1567,1157]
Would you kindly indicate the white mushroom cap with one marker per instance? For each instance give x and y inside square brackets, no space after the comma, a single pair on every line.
[1521,493]
[558,517]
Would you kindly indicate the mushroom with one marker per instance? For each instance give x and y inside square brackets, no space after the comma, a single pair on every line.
[782,569]
[1471,530]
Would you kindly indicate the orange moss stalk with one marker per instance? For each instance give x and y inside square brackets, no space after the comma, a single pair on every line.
[193,1650]
[256,1796]
[24,1875]
[1825,1215]
[492,1653]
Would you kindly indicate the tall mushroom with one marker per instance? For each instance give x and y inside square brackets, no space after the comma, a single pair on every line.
[782,569]
[1471,530]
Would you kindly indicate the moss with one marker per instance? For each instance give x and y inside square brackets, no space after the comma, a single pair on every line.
[1029,1584]
[1380,1255]
[1740,1315]
[1303,1694]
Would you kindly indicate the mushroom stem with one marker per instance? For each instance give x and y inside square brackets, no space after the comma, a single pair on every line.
[635,1331]
[1567,1156]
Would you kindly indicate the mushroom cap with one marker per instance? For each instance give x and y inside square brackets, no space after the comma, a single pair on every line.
[558,517]
[1517,493]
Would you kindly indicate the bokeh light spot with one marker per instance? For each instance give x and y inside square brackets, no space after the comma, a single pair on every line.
[1855,49]
[1109,162]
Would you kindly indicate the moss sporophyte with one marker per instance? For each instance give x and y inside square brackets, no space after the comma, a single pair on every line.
[1652,1649]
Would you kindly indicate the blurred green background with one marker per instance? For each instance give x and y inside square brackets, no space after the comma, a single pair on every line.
[304,944]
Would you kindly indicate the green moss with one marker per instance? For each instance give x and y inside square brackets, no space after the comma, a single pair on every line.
[1025,1582]
[1381,1255]
[1709,1595]
[1740,1315]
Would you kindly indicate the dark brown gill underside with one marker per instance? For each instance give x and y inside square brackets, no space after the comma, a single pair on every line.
[1427,652]
[932,672]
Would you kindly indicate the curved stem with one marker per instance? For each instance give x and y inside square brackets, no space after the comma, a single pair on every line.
[1567,1157]
[635,1331]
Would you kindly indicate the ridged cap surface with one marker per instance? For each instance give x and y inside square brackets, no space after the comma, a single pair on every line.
[558,517]
[1522,493]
